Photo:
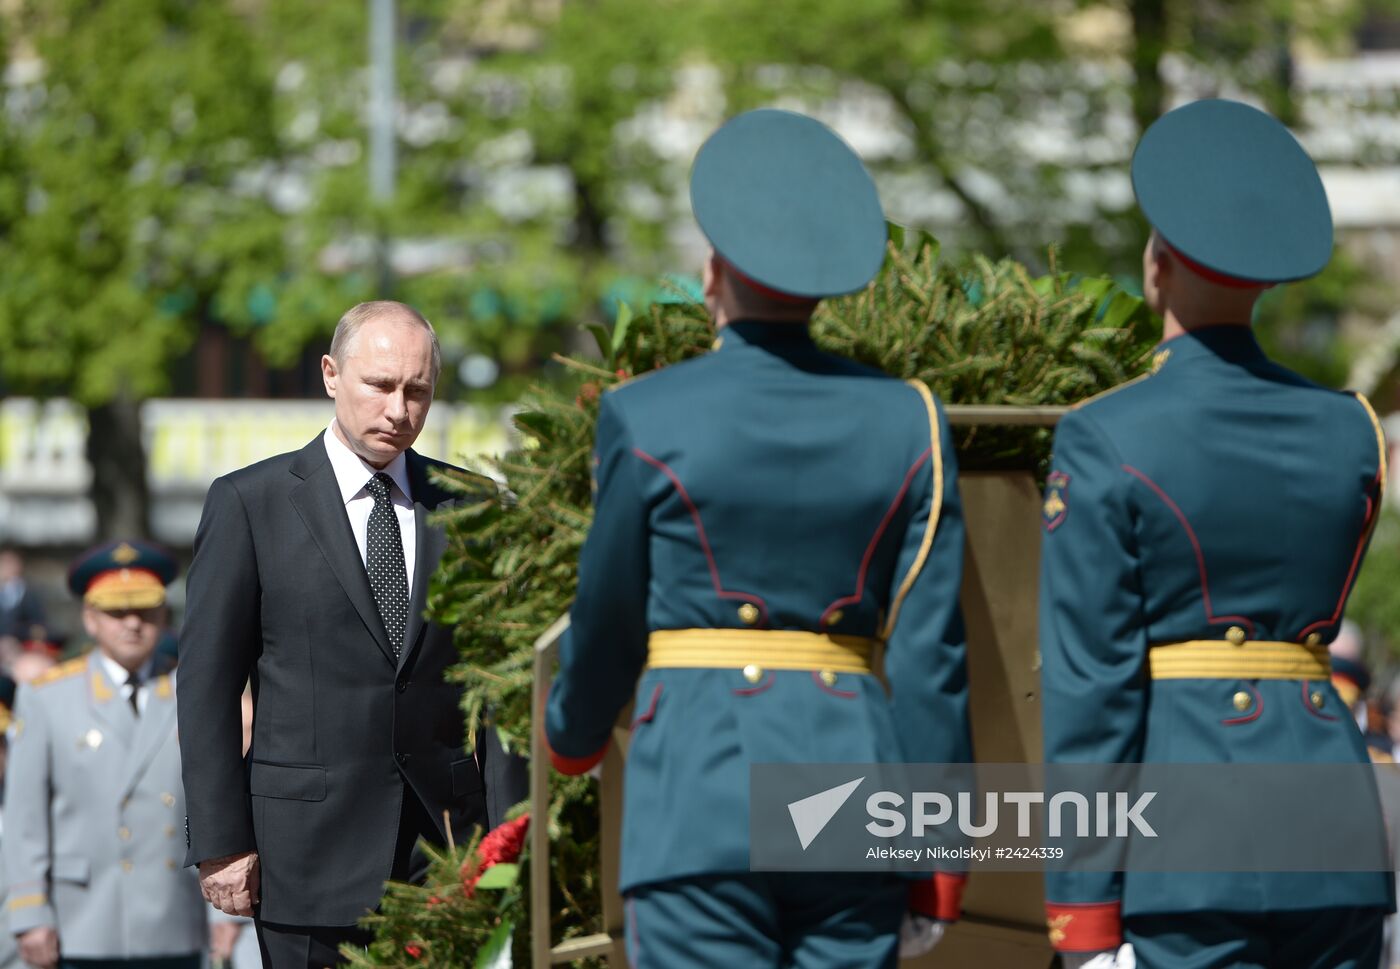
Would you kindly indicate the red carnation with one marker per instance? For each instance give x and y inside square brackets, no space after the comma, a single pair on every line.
[414,950]
[501,846]
[588,393]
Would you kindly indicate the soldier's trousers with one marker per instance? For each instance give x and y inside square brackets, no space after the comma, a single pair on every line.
[1324,938]
[778,920]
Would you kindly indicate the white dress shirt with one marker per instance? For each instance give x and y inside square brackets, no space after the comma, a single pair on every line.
[351,473]
[117,673]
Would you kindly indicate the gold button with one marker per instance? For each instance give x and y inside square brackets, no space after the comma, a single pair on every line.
[1243,701]
[828,677]
[168,800]
[126,866]
[748,614]
[1314,639]
[1235,635]
[124,834]
[835,617]
[1317,699]
[753,673]
[170,863]
[170,830]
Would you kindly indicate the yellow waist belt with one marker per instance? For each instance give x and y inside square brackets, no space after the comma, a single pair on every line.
[771,649]
[1219,659]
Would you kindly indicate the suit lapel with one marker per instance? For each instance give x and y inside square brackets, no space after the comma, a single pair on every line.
[429,543]
[317,499]
[152,729]
[107,704]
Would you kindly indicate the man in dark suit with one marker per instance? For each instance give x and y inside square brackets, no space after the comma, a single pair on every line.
[310,577]
[21,612]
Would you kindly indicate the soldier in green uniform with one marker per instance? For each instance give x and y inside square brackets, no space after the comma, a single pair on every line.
[1203,528]
[94,806]
[769,518]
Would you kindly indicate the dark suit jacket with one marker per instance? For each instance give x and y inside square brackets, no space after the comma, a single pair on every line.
[20,619]
[278,591]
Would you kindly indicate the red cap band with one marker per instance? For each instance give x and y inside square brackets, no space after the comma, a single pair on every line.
[1211,276]
[772,294]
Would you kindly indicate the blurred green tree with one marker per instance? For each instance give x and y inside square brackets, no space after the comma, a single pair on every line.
[132,210]
[521,195]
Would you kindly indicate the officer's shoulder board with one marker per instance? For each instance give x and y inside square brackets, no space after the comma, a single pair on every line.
[1158,359]
[63,671]
[629,381]
[1382,447]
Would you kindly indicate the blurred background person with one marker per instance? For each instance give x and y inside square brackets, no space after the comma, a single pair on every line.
[93,799]
[9,952]
[21,612]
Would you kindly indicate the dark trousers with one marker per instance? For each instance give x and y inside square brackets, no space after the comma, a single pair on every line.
[318,946]
[767,920]
[1322,938]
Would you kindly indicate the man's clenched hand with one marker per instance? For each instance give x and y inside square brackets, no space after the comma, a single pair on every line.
[39,947]
[230,884]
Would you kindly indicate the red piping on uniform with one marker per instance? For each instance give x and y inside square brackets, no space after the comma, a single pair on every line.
[754,690]
[704,542]
[1258,709]
[1307,703]
[1196,546]
[651,710]
[1355,562]
[875,541]
[843,694]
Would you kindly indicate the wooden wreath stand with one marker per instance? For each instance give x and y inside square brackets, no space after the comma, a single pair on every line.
[1003,920]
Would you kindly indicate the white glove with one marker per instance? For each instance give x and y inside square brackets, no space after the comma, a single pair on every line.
[918,934]
[1122,959]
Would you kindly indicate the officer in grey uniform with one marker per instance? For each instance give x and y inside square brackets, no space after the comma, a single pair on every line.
[93,798]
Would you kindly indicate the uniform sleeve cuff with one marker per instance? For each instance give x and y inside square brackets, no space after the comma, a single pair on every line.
[569,765]
[1084,927]
[939,897]
[28,910]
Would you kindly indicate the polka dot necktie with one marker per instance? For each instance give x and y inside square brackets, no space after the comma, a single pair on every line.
[388,578]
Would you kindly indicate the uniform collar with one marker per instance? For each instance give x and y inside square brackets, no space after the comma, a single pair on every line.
[765,333]
[118,673]
[1229,342]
